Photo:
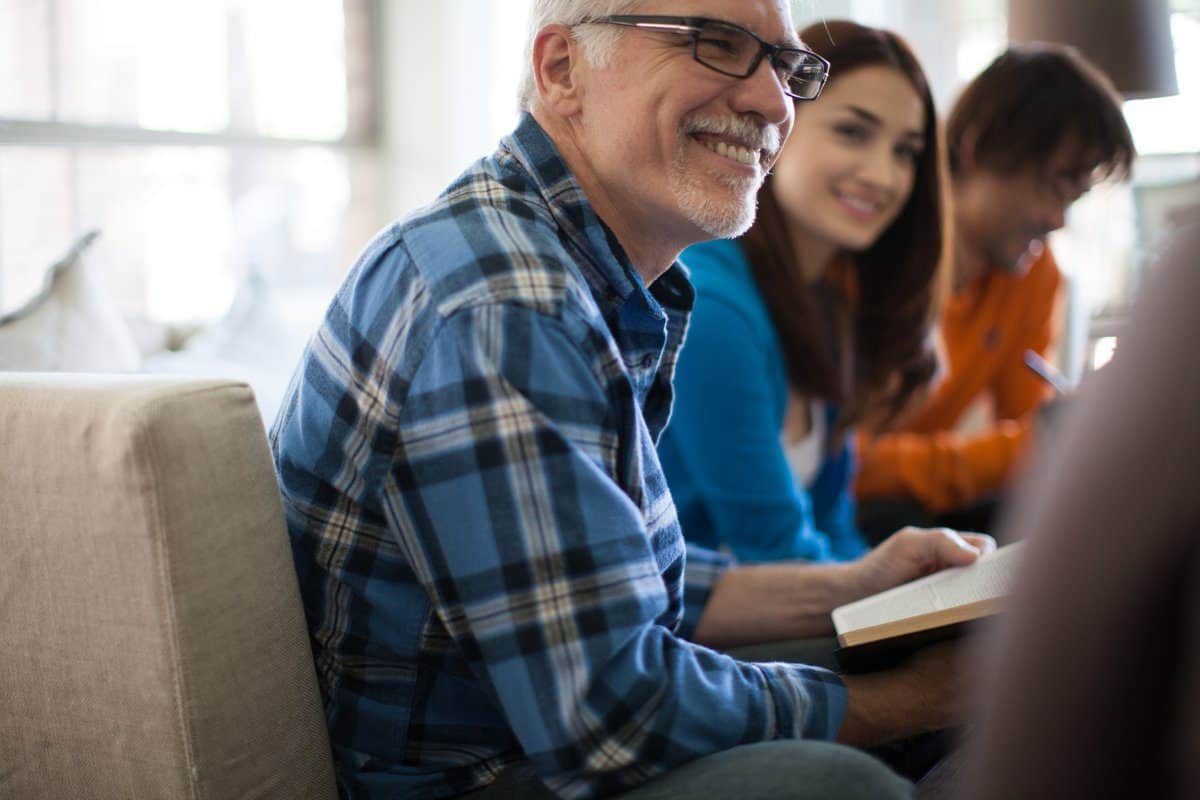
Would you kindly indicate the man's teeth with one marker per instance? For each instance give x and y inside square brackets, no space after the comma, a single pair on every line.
[748,157]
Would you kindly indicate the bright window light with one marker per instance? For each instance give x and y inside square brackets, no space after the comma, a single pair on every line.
[159,64]
[297,67]
[184,221]
[24,60]
[1103,351]
[1168,124]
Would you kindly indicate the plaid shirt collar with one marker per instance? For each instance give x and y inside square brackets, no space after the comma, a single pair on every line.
[623,298]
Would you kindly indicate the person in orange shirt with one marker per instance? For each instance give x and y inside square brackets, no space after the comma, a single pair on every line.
[1030,135]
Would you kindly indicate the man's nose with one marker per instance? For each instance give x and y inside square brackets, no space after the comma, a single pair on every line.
[762,93]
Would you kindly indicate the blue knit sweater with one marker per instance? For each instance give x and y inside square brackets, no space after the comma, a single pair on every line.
[722,451]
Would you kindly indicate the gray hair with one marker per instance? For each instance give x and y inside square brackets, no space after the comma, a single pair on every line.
[598,42]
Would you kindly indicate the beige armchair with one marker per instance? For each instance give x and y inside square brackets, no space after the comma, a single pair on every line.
[152,641]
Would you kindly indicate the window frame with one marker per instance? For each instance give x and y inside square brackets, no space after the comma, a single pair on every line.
[362,137]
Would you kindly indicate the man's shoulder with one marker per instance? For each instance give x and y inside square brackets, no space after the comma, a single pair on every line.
[490,238]
[482,260]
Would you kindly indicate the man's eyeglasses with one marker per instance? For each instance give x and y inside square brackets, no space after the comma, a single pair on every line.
[732,50]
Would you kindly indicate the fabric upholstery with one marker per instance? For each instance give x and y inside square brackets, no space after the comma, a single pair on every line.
[154,644]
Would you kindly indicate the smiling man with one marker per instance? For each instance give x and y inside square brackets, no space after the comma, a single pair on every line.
[493,573]
[1028,137]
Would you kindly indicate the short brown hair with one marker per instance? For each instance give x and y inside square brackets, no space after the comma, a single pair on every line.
[1031,102]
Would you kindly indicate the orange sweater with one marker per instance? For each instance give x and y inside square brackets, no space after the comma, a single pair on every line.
[986,329]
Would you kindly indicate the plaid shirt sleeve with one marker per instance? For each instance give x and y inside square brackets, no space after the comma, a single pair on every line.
[539,565]
[704,568]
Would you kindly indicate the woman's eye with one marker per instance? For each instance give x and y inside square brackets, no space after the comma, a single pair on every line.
[854,133]
[909,153]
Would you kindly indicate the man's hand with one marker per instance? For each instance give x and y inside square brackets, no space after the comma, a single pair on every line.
[925,693]
[789,600]
[911,553]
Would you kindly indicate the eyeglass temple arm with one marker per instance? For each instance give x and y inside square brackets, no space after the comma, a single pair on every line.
[658,26]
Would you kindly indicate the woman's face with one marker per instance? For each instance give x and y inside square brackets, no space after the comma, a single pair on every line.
[848,168]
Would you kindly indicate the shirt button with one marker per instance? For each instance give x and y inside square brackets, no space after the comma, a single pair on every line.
[647,361]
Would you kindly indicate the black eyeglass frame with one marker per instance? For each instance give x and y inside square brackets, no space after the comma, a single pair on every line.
[694,27]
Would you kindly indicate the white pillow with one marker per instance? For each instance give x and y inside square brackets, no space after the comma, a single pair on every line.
[260,340]
[71,325]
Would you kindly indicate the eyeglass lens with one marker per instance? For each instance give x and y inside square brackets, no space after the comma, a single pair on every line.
[733,51]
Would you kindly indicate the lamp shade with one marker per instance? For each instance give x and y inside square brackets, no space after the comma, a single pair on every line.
[1129,39]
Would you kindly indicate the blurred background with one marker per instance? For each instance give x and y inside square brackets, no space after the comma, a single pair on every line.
[235,154]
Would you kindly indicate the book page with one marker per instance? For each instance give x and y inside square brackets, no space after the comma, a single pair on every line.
[991,576]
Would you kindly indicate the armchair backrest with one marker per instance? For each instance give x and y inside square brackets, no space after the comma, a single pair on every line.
[152,639]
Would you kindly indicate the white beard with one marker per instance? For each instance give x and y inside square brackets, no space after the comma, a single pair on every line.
[724,215]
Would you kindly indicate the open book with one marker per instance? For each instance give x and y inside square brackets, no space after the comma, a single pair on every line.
[878,631]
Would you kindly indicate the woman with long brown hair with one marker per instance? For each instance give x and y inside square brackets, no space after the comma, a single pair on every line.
[819,318]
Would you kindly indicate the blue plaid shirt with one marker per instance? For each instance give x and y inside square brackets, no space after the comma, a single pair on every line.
[490,561]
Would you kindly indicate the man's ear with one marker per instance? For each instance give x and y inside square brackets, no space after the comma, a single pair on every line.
[556,62]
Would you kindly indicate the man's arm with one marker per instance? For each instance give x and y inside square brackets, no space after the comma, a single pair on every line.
[945,470]
[792,600]
[1017,390]
[942,470]
[761,603]
[774,602]
[926,693]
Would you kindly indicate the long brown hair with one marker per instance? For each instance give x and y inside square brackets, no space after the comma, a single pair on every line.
[863,342]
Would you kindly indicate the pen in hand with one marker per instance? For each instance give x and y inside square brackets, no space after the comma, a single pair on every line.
[1046,371]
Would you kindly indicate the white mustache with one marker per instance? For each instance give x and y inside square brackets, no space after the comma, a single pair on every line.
[742,129]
